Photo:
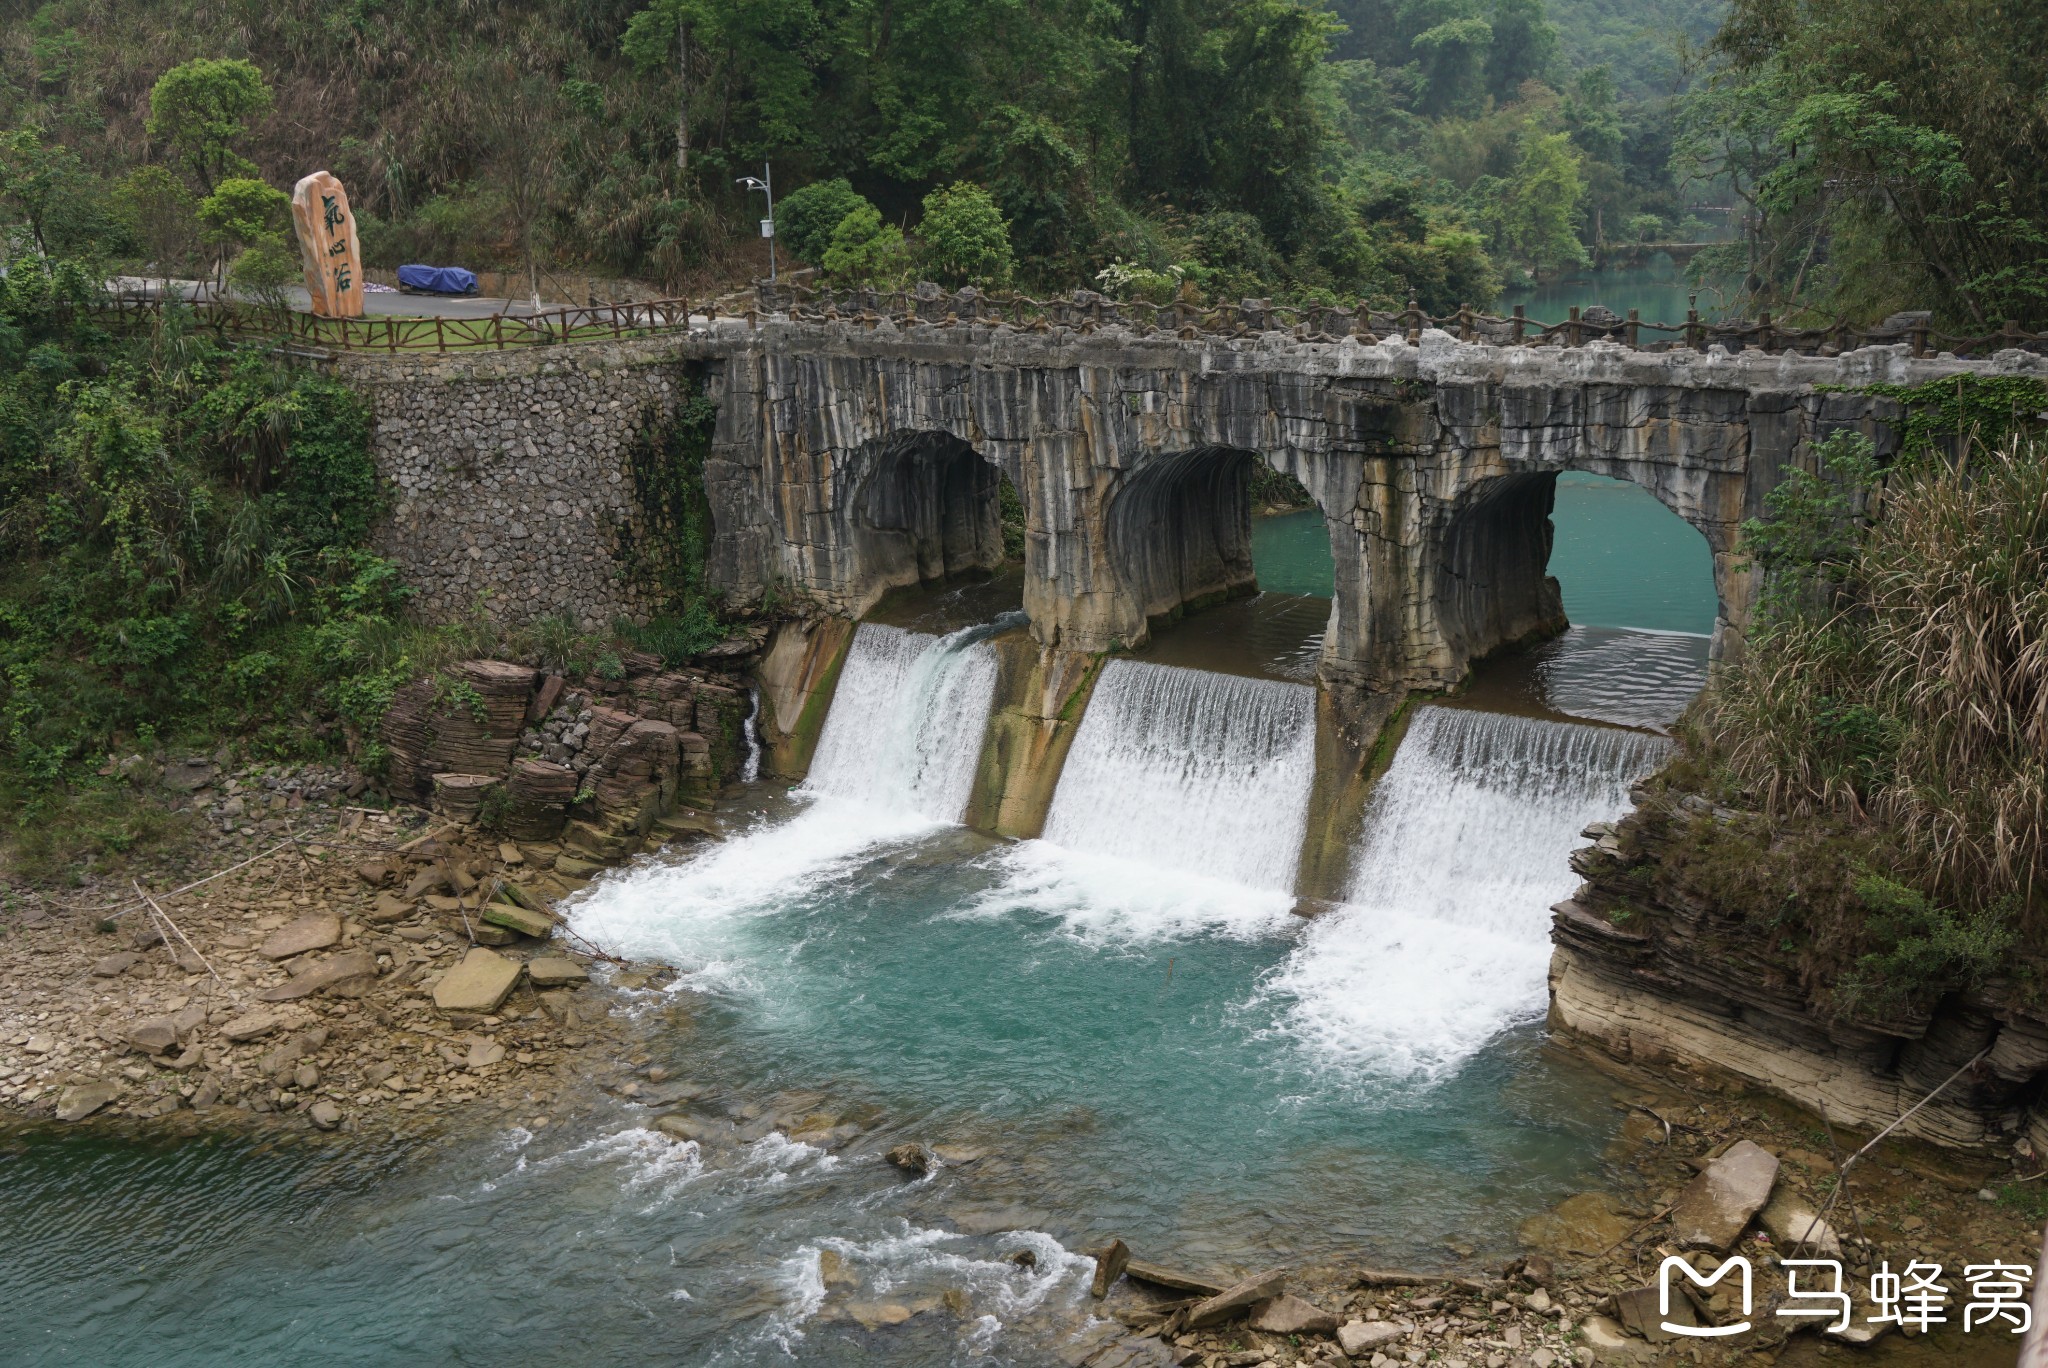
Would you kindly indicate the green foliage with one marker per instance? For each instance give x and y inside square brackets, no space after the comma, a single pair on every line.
[1812,526]
[963,237]
[1900,693]
[1010,505]
[666,462]
[1888,150]
[184,542]
[242,212]
[806,218]
[680,637]
[865,249]
[46,191]
[1539,224]
[1920,950]
[201,109]
[159,215]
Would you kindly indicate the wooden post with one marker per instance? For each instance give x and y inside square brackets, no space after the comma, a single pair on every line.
[1635,326]
[440,335]
[1764,331]
[1919,339]
[1694,338]
[1464,322]
[1412,321]
[1572,335]
[498,331]
[1521,323]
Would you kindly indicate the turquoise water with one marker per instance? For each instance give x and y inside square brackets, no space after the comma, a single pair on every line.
[1621,558]
[1105,1045]
[1624,560]
[1658,290]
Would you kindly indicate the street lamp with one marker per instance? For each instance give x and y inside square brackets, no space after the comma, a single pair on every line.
[765,183]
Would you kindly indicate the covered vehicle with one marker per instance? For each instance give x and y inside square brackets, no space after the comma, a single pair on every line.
[452,280]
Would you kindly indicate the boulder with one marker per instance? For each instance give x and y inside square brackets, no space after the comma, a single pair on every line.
[183,776]
[116,964]
[350,970]
[480,983]
[1290,1315]
[153,1035]
[514,918]
[1585,1223]
[553,971]
[324,1114]
[1360,1339]
[254,1026]
[1219,1308]
[1110,1262]
[378,872]
[81,1100]
[913,1158]
[678,1126]
[315,931]
[483,1053]
[1715,1206]
[388,908]
[1791,1221]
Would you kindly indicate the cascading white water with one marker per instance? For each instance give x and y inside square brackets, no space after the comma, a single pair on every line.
[907,721]
[1445,939]
[751,770]
[1181,808]
[896,758]
[1192,771]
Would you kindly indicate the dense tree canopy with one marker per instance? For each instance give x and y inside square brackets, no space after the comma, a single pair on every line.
[1876,153]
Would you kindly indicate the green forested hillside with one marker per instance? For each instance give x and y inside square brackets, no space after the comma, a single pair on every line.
[1347,148]
[1376,147]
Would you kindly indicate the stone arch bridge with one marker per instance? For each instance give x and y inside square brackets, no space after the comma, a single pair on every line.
[848,460]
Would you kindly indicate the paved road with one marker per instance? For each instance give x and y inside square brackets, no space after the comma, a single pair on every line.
[379,303]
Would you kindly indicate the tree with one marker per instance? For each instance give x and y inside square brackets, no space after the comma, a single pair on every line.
[965,238]
[1522,48]
[864,248]
[199,110]
[159,213]
[1539,223]
[47,190]
[244,214]
[806,217]
[659,38]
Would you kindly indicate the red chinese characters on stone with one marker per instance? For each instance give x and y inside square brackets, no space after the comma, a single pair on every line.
[328,248]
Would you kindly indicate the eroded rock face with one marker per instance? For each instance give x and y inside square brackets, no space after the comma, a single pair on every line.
[1681,980]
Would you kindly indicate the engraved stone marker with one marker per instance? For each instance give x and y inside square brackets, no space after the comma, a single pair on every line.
[332,257]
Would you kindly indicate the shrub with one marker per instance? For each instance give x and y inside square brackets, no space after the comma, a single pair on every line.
[806,219]
[964,238]
[866,249]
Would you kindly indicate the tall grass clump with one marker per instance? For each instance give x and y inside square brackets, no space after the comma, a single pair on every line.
[1895,696]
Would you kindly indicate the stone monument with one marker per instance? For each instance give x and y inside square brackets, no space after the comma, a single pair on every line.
[332,257]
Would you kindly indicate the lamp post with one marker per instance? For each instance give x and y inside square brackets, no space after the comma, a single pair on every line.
[765,183]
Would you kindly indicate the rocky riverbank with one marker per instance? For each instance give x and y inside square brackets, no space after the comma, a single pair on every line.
[331,978]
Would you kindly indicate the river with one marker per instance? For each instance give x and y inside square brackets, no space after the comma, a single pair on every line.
[1120,1029]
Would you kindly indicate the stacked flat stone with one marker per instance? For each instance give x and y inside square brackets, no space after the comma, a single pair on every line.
[461,796]
[537,800]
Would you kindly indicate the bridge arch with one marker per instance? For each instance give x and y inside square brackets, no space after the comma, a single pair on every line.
[916,507]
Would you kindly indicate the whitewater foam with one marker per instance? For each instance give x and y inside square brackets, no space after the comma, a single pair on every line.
[1444,941]
[895,762]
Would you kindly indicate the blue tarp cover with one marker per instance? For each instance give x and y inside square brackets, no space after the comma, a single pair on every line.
[439,279]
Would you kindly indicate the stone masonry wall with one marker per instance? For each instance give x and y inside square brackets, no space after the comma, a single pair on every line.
[507,474]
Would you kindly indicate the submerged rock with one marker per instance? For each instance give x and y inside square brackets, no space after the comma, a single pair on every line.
[913,1157]
[1587,1223]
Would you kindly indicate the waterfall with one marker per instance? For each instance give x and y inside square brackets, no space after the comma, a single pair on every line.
[1191,771]
[896,759]
[1445,938]
[907,720]
[751,729]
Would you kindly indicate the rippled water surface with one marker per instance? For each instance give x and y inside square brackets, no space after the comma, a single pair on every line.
[1106,1043]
